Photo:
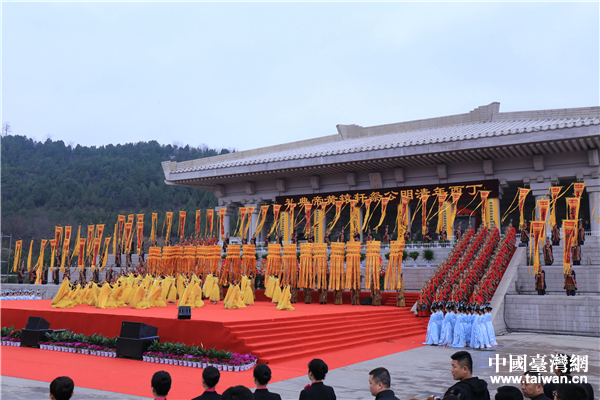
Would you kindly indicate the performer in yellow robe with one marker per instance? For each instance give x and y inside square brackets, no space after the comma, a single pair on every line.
[62,300]
[139,300]
[93,295]
[117,295]
[247,294]
[215,294]
[285,303]
[269,286]
[197,293]
[233,299]
[105,299]
[75,295]
[276,291]
[208,285]
[166,284]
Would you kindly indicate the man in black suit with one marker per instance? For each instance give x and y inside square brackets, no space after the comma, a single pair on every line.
[262,376]
[317,369]
[379,384]
[210,378]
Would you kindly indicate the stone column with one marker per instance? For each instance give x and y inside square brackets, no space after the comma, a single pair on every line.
[593,191]
[252,220]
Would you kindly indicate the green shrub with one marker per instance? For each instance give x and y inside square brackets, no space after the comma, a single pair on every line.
[428,255]
[414,255]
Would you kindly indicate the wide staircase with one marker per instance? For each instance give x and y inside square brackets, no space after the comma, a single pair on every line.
[312,336]
[524,310]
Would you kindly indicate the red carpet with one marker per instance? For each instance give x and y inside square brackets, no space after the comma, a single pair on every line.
[287,340]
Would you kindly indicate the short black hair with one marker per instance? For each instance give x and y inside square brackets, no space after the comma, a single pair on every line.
[161,383]
[381,375]
[62,388]
[211,376]
[262,374]
[567,364]
[571,391]
[464,359]
[318,368]
[508,393]
[237,393]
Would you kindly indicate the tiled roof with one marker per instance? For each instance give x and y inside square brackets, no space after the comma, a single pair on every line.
[452,133]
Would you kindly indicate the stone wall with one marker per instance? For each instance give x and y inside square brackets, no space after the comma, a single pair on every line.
[578,315]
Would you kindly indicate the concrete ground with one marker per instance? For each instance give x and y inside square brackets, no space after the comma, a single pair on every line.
[416,373]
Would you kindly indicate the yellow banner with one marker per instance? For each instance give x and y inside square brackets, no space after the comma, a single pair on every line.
[17,257]
[522,195]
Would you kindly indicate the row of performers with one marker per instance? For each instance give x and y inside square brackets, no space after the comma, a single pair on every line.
[462,325]
[142,292]
[549,254]
[555,234]
[570,285]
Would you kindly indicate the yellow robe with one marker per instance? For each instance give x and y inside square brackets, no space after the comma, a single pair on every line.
[139,300]
[269,286]
[208,285]
[233,299]
[62,298]
[286,297]
[106,299]
[276,291]
[214,292]
[246,289]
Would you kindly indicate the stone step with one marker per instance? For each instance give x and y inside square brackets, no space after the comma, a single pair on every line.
[575,315]
[588,279]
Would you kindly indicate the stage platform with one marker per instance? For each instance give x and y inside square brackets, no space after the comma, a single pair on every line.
[260,329]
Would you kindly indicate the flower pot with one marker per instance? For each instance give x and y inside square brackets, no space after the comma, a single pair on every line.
[236,368]
[219,367]
[170,361]
[428,264]
[203,365]
[415,264]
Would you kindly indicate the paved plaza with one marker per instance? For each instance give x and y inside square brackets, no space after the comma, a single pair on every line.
[416,373]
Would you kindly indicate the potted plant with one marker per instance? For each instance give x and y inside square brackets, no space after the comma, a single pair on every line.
[414,255]
[404,257]
[429,256]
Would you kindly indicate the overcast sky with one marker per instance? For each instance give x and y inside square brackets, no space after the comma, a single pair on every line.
[247,75]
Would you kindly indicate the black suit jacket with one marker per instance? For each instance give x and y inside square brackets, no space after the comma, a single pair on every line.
[317,391]
[208,396]
[264,394]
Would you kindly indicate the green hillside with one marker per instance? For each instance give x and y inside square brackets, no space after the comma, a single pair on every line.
[49,183]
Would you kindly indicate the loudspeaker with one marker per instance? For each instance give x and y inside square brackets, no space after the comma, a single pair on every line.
[34,332]
[185,312]
[133,348]
[137,330]
[135,338]
[367,301]
[36,323]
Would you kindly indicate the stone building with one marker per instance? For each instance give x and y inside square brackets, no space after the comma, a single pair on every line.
[481,149]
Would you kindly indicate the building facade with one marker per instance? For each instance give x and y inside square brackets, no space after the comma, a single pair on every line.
[481,149]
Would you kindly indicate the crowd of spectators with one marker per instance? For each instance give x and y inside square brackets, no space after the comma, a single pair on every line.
[467,386]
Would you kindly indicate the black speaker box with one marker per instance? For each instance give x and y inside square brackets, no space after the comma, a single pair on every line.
[135,338]
[185,312]
[137,330]
[36,323]
[133,348]
[33,337]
